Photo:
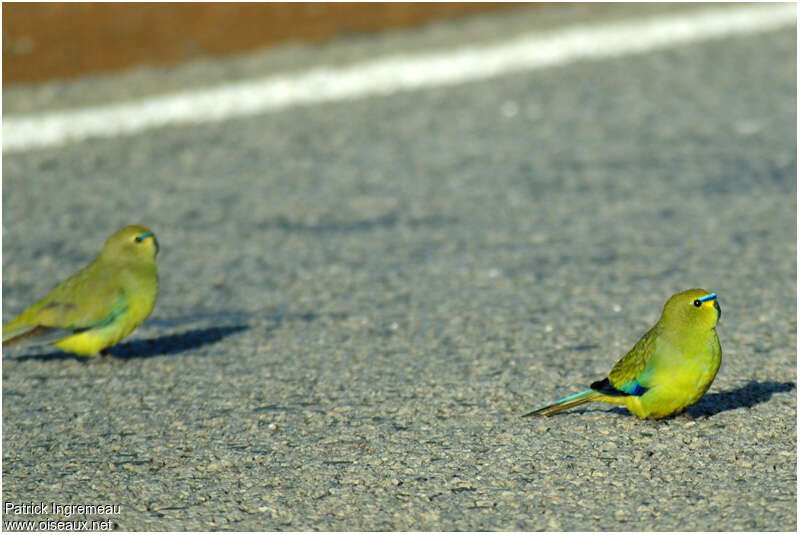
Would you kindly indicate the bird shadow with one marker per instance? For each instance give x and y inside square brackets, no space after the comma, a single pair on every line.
[749,395]
[153,347]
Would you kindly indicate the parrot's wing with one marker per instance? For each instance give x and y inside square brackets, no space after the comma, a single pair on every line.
[91,298]
[624,374]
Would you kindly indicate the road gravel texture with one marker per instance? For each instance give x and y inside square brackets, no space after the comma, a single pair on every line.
[358,300]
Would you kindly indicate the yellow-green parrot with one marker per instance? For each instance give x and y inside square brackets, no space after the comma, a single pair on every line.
[668,369]
[99,305]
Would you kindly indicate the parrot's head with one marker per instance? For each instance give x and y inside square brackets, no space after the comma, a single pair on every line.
[692,309]
[133,241]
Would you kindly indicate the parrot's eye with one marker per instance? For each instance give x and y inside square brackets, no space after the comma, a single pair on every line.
[138,239]
[697,303]
[143,236]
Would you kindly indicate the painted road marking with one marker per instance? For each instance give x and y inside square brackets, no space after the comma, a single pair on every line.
[390,74]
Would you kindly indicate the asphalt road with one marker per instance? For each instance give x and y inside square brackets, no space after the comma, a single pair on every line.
[359,299]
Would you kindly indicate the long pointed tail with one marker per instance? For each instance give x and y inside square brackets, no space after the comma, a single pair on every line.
[569,401]
[25,335]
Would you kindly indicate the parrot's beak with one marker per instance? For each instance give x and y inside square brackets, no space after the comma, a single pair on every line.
[719,310]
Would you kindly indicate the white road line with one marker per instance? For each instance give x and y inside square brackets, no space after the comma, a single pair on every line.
[387,75]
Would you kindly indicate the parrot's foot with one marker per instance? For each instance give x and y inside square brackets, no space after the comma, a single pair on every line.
[686,416]
[105,355]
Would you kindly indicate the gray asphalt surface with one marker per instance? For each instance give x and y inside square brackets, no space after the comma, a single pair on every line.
[358,300]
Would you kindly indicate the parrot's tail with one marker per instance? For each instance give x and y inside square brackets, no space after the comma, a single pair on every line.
[569,401]
[31,334]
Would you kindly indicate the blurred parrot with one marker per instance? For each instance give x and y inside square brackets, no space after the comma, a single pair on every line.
[668,369]
[99,305]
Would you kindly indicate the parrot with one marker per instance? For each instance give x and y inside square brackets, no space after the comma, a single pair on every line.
[98,305]
[668,369]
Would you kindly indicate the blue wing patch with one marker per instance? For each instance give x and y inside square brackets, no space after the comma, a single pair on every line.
[631,388]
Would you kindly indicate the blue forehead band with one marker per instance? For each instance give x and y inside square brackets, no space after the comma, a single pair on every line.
[709,297]
[144,235]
